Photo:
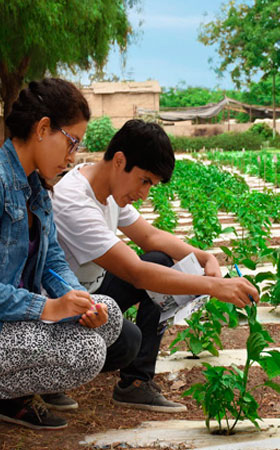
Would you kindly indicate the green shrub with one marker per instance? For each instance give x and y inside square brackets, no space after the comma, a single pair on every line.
[225,141]
[263,129]
[237,141]
[98,134]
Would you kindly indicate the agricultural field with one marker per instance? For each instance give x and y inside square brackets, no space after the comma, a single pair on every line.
[223,365]
[227,203]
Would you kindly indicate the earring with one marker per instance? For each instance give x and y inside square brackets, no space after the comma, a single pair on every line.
[40,139]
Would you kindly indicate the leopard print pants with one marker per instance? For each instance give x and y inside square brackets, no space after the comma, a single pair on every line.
[36,357]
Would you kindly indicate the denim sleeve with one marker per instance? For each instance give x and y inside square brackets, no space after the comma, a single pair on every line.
[55,260]
[17,303]
[20,304]
[1,198]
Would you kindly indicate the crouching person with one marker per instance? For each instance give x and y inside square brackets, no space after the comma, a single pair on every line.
[40,353]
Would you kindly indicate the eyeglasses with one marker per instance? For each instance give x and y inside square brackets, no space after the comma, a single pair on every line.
[75,142]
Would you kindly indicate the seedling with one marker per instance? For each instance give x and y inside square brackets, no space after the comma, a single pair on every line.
[225,394]
[204,328]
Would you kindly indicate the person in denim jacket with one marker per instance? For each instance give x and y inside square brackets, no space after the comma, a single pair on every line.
[46,124]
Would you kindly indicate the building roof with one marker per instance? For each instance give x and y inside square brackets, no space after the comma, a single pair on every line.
[139,87]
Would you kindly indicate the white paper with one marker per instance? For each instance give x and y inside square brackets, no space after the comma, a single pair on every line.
[180,306]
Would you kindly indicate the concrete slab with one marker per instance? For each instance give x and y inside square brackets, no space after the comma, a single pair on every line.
[150,216]
[264,444]
[186,434]
[180,360]
[268,314]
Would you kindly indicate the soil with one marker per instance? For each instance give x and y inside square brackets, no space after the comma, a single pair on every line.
[97,412]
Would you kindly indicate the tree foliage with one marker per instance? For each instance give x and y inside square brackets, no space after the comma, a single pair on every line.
[248,39]
[38,37]
[182,96]
[247,36]
[256,93]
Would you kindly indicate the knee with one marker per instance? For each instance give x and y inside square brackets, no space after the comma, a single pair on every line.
[125,349]
[90,356]
[131,342]
[115,318]
[158,258]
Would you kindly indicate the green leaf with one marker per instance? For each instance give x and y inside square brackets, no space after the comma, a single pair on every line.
[248,263]
[212,349]
[229,230]
[215,311]
[261,276]
[271,363]
[240,372]
[255,345]
[226,250]
[278,266]
[273,385]
[195,345]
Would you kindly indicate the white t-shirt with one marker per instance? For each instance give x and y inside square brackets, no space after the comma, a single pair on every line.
[86,228]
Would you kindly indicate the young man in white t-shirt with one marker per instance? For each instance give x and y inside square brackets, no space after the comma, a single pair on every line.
[90,203]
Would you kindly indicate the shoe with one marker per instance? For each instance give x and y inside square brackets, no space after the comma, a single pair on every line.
[145,395]
[30,412]
[59,401]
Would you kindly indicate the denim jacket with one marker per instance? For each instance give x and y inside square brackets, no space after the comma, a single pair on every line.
[15,190]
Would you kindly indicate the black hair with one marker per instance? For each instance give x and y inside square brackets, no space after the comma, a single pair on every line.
[145,145]
[55,98]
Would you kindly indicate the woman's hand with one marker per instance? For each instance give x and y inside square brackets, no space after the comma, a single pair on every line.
[234,290]
[95,317]
[71,304]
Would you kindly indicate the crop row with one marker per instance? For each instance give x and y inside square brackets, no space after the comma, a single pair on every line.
[204,190]
[261,164]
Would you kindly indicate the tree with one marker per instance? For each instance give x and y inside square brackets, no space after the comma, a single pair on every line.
[41,36]
[248,38]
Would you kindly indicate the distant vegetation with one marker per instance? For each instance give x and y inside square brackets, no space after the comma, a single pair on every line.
[256,94]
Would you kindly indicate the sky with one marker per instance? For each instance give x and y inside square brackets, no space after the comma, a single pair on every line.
[167,49]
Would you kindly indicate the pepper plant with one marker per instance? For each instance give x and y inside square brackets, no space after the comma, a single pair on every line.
[204,328]
[161,196]
[225,393]
[271,291]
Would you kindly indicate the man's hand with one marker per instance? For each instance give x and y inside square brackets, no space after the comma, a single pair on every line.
[211,267]
[234,290]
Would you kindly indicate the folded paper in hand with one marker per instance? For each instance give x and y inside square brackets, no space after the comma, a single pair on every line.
[180,307]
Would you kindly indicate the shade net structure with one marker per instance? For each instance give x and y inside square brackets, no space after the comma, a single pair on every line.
[211,110]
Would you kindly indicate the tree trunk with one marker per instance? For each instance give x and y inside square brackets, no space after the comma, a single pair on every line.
[274,110]
[11,84]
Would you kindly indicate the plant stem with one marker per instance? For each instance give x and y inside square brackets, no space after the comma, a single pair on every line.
[245,379]
[228,427]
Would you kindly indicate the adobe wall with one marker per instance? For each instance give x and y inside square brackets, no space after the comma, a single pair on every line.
[120,106]
[186,128]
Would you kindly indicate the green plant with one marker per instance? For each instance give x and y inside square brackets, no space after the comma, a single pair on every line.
[226,141]
[204,328]
[98,134]
[225,394]
[58,37]
[135,247]
[131,313]
[271,291]
[160,196]
[263,129]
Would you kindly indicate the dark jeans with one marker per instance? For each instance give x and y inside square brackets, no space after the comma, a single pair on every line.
[135,357]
